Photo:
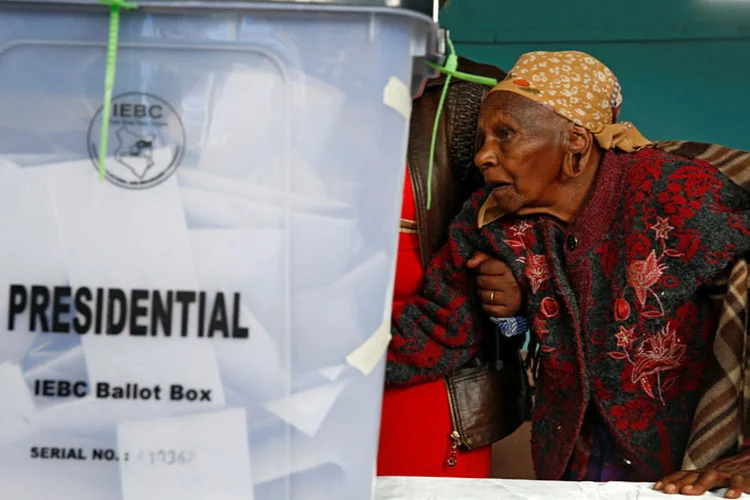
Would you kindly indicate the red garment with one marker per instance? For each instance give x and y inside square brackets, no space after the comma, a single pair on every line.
[416,423]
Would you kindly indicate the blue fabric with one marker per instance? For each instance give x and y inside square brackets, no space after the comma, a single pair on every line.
[604,464]
[511,327]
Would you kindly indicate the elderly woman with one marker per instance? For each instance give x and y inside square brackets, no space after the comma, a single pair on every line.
[612,241]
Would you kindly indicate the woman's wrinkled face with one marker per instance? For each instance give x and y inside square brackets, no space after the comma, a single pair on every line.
[520,152]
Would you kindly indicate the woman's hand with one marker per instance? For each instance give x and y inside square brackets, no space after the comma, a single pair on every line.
[732,473]
[498,289]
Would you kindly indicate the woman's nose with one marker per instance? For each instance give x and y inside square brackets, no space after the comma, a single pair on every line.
[485,158]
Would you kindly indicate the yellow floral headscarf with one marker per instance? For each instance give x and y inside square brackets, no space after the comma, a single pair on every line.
[578,87]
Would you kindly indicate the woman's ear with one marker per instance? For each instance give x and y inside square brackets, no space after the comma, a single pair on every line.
[579,150]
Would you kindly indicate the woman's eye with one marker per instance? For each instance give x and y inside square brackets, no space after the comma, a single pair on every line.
[505,134]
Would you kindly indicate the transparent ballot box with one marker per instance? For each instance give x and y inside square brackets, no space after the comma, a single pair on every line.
[204,314]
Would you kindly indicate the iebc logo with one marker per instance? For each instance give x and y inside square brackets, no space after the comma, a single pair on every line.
[146,140]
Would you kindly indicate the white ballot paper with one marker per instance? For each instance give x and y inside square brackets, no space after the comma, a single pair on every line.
[193,457]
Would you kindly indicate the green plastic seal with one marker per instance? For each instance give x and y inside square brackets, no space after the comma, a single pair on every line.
[109,77]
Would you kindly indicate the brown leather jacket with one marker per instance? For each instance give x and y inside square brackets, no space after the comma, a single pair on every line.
[490,398]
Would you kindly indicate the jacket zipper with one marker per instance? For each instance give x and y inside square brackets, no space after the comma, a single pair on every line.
[455,436]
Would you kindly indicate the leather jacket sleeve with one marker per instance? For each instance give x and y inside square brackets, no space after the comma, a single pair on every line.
[455,177]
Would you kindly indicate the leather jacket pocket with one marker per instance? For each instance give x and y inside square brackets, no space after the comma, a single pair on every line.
[488,404]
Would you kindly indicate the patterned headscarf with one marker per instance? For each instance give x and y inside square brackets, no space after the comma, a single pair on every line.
[578,87]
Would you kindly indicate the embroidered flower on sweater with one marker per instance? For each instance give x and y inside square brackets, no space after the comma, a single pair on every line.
[649,355]
[520,240]
[654,355]
[657,354]
[626,337]
[644,274]
[517,235]
[662,228]
[537,271]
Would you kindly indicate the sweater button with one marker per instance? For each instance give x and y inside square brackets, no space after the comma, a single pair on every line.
[558,428]
[627,462]
[572,242]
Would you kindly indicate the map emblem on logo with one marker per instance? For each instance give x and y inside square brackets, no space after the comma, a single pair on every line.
[146,140]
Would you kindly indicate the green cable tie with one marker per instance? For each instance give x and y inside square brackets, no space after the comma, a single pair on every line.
[449,69]
[482,80]
[109,78]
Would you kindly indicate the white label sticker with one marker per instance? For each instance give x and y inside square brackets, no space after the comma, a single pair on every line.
[191,458]
[397,96]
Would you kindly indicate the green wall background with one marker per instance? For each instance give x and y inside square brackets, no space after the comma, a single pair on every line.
[684,65]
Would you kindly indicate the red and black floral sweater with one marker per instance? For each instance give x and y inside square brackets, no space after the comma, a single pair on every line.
[618,306]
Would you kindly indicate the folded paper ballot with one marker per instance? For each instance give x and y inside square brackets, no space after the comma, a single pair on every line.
[306,410]
[31,251]
[319,449]
[320,237]
[193,457]
[145,236]
[274,102]
[340,314]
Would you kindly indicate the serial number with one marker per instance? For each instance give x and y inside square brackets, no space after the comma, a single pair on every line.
[165,457]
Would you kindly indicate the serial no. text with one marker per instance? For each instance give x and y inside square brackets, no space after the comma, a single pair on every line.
[151,457]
